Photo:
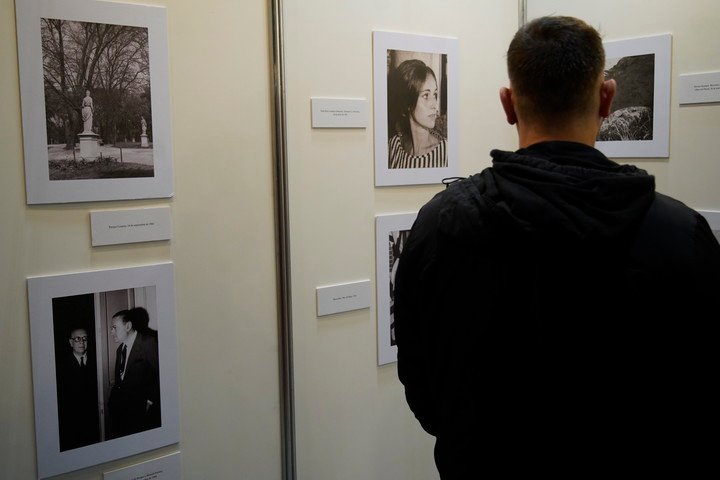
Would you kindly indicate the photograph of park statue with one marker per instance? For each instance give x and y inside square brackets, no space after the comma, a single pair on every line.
[98,114]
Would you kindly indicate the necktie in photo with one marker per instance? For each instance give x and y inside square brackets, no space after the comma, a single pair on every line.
[123,355]
[82,361]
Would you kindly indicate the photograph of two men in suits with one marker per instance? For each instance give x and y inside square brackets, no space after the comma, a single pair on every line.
[107,372]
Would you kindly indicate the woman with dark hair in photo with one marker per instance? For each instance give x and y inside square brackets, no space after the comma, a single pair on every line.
[413,109]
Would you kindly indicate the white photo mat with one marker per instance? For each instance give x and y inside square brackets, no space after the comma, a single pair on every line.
[166,467]
[41,292]
[382,42]
[40,189]
[396,226]
[661,47]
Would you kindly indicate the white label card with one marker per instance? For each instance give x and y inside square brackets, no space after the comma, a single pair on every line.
[112,227]
[163,468]
[699,88]
[339,112]
[343,298]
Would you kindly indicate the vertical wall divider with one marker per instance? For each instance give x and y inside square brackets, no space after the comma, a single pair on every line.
[522,12]
[282,227]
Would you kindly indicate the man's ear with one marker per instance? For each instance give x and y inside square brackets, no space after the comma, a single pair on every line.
[507,104]
[607,94]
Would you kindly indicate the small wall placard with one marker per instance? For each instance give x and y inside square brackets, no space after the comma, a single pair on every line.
[699,88]
[339,112]
[112,227]
[343,298]
[163,468]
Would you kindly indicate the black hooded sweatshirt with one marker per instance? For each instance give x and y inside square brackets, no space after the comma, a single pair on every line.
[550,301]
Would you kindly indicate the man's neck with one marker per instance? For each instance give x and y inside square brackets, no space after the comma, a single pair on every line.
[529,137]
[582,131]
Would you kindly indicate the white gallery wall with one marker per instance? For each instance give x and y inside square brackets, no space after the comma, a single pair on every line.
[222,247]
[352,419]
[692,172]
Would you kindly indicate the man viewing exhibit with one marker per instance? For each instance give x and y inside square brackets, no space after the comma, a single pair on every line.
[550,310]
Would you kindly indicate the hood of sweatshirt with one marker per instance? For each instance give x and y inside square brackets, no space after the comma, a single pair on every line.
[550,190]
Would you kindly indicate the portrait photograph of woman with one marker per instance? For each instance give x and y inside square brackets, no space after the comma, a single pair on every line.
[414,108]
[417,110]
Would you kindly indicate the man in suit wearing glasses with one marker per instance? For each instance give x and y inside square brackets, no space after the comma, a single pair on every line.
[77,393]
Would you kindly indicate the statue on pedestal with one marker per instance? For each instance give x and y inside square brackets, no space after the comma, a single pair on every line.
[87,112]
[144,136]
[89,140]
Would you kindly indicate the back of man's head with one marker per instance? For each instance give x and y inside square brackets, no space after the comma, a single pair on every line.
[554,65]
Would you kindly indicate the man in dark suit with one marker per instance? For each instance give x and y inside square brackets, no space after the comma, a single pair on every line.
[78,418]
[134,403]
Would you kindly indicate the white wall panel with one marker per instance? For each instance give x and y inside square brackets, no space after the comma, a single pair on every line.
[352,419]
[223,246]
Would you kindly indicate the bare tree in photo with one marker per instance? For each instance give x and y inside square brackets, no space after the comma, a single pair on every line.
[112,63]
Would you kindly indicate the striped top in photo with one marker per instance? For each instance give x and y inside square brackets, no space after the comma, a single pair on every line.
[399,158]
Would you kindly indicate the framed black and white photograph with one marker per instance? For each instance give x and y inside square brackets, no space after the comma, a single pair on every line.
[391,234]
[639,125]
[104,361]
[415,85]
[95,100]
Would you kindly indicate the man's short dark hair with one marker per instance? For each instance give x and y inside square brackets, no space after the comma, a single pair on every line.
[554,64]
[140,319]
[125,316]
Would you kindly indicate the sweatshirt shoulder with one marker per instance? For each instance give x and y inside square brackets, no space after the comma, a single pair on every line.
[677,232]
[668,212]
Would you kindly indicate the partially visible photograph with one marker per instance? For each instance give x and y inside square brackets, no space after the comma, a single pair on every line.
[396,243]
[104,365]
[632,108]
[415,108]
[639,123]
[392,232]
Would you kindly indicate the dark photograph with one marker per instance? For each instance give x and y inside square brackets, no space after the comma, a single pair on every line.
[633,107]
[98,114]
[417,109]
[106,362]
[78,397]
[396,243]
